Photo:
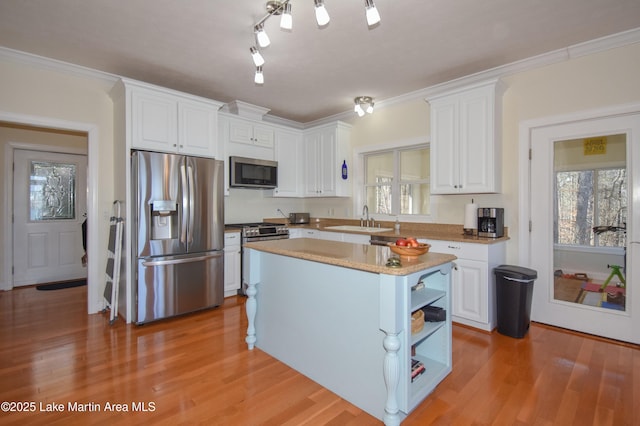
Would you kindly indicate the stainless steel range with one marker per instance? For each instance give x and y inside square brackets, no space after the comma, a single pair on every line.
[261,231]
[258,231]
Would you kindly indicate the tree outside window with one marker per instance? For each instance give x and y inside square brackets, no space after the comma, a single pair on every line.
[589,198]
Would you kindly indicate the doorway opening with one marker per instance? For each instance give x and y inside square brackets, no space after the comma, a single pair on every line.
[54,127]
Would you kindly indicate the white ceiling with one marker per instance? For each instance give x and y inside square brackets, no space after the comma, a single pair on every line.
[202,46]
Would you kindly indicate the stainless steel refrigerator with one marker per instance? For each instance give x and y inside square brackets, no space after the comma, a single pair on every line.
[178,235]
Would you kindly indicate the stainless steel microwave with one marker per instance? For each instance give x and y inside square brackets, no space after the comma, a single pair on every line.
[252,173]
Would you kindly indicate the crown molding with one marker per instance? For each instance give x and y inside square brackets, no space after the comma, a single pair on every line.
[624,38]
[582,49]
[49,64]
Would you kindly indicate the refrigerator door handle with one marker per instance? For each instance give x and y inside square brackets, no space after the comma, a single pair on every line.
[191,204]
[181,260]
[185,206]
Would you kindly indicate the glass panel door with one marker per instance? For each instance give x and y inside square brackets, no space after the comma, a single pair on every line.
[590,216]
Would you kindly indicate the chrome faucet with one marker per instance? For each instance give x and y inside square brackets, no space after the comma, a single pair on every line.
[365,213]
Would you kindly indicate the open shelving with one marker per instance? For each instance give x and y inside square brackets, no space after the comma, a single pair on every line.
[432,344]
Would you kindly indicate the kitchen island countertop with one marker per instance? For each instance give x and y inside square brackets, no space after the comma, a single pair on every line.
[355,256]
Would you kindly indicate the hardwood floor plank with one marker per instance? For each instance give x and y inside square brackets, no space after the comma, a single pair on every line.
[196,369]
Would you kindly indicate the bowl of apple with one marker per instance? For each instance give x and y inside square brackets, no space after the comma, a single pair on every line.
[409,247]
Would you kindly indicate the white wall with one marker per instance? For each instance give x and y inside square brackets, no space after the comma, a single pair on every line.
[32,92]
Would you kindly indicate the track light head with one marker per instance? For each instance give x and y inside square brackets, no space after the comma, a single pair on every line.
[286,20]
[373,17]
[258,60]
[261,35]
[322,16]
[259,77]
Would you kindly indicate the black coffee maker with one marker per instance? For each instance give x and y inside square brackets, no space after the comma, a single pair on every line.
[490,222]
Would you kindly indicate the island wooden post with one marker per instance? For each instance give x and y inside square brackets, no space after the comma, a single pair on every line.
[391,323]
[251,304]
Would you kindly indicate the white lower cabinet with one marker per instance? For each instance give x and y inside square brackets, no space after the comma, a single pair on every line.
[331,236]
[472,281]
[232,257]
[356,238]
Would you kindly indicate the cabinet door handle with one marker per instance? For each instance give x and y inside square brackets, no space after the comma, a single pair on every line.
[453,247]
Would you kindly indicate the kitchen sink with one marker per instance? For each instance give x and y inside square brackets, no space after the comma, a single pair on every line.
[355,228]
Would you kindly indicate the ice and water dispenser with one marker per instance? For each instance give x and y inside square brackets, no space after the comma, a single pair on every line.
[164,220]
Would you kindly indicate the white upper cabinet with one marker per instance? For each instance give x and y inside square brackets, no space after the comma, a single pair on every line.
[325,150]
[244,137]
[465,140]
[247,132]
[288,154]
[162,120]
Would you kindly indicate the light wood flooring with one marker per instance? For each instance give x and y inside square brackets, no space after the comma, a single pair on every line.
[197,370]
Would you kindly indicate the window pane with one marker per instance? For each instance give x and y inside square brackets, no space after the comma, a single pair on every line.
[575,208]
[379,166]
[52,191]
[414,198]
[378,198]
[414,164]
[612,205]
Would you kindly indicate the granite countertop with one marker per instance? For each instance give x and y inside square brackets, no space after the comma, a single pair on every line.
[427,231]
[355,256]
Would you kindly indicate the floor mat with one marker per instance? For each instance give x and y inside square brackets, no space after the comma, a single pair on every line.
[61,285]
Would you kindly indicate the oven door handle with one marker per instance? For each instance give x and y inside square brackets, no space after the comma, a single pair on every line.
[273,237]
[378,243]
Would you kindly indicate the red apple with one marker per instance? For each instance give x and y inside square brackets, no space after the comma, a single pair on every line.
[412,242]
[401,242]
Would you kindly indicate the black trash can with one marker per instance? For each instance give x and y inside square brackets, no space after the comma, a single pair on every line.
[514,291]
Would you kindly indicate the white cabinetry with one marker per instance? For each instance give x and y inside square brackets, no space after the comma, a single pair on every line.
[465,140]
[325,149]
[250,133]
[232,256]
[472,281]
[167,122]
[288,154]
[356,238]
[246,138]
[329,235]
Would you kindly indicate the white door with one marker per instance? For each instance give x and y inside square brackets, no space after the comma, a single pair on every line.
[547,306]
[49,205]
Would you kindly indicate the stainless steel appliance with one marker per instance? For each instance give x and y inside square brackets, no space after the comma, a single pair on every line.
[257,231]
[179,234]
[490,222]
[299,218]
[252,173]
[382,240]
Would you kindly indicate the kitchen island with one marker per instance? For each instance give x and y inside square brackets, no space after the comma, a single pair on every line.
[336,313]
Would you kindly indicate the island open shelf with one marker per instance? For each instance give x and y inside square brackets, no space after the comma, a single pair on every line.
[334,312]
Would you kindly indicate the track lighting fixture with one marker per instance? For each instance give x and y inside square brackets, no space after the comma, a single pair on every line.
[259,77]
[282,8]
[261,36]
[258,60]
[322,16]
[363,104]
[373,17]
